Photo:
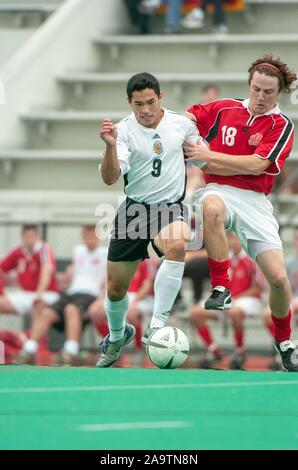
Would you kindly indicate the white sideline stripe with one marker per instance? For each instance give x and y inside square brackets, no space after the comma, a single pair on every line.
[142,387]
[133,426]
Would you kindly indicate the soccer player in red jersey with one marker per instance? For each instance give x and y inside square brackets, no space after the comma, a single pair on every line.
[249,143]
[35,266]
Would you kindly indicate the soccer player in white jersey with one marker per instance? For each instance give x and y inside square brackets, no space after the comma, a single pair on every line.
[146,149]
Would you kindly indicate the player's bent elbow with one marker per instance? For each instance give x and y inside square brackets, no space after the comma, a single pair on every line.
[257,171]
[260,165]
[108,179]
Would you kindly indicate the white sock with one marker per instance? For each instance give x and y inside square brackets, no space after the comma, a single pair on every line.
[116,312]
[30,346]
[71,347]
[166,287]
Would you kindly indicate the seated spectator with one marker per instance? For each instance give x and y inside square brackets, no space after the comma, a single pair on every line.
[197,270]
[247,285]
[292,270]
[195,19]
[35,266]
[210,92]
[287,181]
[70,312]
[139,14]
[172,16]
[13,344]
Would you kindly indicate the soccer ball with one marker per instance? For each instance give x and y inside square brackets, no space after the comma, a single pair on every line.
[167,347]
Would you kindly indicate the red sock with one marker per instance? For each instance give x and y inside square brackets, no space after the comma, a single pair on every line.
[205,334]
[282,327]
[138,342]
[270,328]
[239,338]
[215,350]
[103,329]
[219,273]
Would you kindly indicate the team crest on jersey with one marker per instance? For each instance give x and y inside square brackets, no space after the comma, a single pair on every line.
[255,139]
[157,147]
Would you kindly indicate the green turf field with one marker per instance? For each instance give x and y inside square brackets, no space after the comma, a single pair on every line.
[82,408]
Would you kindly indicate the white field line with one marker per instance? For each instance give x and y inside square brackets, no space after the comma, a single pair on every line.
[120,388]
[133,426]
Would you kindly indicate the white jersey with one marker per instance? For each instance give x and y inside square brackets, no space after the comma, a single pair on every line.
[152,160]
[89,270]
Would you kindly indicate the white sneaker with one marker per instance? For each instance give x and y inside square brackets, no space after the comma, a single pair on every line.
[147,7]
[221,29]
[194,19]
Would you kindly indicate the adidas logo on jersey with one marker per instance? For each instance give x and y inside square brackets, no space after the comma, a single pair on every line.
[156,136]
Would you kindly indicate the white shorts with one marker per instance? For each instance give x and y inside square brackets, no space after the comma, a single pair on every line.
[249,214]
[145,305]
[251,306]
[22,301]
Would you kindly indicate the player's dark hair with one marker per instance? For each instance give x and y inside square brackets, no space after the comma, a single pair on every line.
[26,227]
[268,65]
[140,82]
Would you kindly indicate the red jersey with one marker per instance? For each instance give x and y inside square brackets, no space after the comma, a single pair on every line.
[28,265]
[244,274]
[230,128]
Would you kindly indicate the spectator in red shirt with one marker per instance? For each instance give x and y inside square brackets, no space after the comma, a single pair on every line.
[87,278]
[247,284]
[35,266]
[249,143]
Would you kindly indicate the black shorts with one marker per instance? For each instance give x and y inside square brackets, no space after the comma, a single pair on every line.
[137,224]
[82,301]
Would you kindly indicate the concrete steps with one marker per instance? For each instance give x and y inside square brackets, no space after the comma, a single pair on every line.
[191,53]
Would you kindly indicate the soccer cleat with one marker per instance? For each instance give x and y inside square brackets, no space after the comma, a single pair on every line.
[209,360]
[65,359]
[288,354]
[220,299]
[221,29]
[147,333]
[237,361]
[111,350]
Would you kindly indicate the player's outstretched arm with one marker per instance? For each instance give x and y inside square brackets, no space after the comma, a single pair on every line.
[224,164]
[109,168]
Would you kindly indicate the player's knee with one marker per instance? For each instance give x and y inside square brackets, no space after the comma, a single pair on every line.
[48,315]
[175,250]
[96,314]
[214,211]
[234,313]
[280,282]
[196,314]
[116,291]
[71,310]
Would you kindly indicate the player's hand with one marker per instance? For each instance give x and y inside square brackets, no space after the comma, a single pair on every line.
[196,151]
[108,132]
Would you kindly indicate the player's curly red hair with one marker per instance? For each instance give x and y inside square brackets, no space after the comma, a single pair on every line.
[268,65]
